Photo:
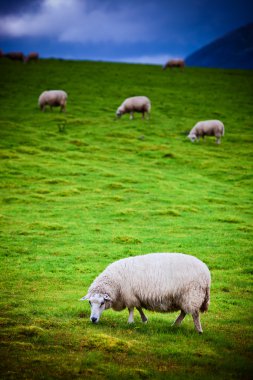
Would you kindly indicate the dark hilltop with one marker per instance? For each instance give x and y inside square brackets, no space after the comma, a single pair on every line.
[232,51]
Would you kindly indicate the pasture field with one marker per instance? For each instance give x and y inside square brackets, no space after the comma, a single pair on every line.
[80,190]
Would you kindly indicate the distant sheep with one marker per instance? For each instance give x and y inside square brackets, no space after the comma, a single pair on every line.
[15,56]
[174,63]
[163,282]
[53,98]
[207,128]
[32,57]
[135,104]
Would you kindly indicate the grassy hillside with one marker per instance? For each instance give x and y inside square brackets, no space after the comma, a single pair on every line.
[81,190]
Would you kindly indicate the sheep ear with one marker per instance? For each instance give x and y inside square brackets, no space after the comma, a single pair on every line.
[84,298]
[107,298]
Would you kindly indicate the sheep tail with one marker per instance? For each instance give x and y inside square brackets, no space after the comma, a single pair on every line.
[206,302]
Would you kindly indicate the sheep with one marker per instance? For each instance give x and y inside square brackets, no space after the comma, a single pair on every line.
[32,57]
[174,63]
[15,56]
[163,282]
[207,128]
[53,98]
[135,104]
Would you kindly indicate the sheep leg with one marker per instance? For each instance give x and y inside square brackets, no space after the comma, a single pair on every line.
[143,316]
[217,140]
[196,321]
[131,315]
[145,115]
[180,318]
[131,115]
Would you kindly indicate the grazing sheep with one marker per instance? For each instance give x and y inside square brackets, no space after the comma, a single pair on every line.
[207,128]
[135,104]
[15,56]
[53,98]
[163,282]
[174,63]
[32,57]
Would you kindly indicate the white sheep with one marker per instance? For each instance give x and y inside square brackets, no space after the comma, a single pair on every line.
[207,128]
[135,104]
[163,282]
[174,63]
[53,98]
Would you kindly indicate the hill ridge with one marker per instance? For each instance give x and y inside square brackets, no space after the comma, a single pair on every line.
[234,50]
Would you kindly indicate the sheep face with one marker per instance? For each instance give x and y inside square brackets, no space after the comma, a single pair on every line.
[119,112]
[192,137]
[98,303]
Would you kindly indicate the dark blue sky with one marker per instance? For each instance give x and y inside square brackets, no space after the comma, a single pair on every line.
[129,30]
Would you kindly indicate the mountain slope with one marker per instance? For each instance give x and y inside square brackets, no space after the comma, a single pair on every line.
[234,50]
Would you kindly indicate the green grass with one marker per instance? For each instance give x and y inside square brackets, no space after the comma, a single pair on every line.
[81,190]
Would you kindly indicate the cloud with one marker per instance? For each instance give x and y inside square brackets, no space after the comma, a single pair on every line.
[77,21]
[148,59]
